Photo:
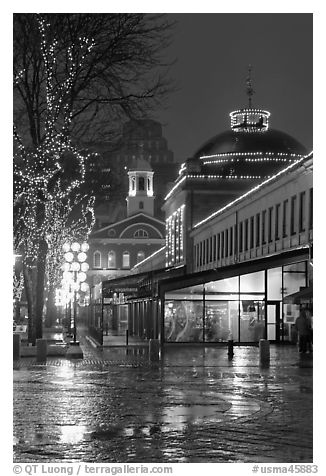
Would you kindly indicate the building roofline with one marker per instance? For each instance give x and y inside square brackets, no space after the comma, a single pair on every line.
[255,189]
[126,219]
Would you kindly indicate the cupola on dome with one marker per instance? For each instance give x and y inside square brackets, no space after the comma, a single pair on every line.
[250,148]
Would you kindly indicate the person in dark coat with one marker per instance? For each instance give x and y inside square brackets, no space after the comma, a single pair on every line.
[303,327]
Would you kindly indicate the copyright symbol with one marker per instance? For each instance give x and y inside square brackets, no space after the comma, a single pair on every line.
[17,469]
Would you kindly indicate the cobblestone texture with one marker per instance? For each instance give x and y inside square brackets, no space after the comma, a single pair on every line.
[193,406]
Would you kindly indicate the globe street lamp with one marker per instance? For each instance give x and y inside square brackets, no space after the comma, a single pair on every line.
[75,268]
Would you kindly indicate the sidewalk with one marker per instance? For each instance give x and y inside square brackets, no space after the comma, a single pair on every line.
[195,405]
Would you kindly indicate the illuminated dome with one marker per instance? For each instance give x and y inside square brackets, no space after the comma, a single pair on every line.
[250,149]
[255,137]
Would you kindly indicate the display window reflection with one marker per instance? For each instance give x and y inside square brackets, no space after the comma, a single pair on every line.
[221,321]
[252,320]
[183,321]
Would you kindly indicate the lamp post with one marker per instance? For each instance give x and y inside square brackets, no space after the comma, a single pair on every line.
[74,275]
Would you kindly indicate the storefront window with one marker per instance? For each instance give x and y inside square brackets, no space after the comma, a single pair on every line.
[190,293]
[252,283]
[229,285]
[294,277]
[274,284]
[221,321]
[183,321]
[252,320]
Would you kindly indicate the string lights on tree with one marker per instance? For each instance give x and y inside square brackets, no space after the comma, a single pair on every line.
[48,203]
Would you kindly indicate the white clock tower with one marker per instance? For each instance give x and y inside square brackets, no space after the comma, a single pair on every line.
[141,195]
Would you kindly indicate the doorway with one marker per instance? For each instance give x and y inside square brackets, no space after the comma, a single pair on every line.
[273,321]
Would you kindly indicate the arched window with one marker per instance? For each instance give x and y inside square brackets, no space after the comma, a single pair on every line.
[97,259]
[111,260]
[140,256]
[140,233]
[141,205]
[141,184]
[126,259]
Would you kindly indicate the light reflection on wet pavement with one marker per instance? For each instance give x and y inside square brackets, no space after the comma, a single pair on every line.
[193,406]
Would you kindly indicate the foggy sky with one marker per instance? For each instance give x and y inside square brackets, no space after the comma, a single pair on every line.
[213,52]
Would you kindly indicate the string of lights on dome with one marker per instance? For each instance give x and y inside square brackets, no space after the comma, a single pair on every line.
[254,189]
[250,154]
[207,176]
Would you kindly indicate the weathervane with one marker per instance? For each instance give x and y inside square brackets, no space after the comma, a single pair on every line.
[249,89]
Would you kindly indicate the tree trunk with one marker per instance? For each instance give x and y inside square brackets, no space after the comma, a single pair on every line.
[39,301]
[29,281]
[51,310]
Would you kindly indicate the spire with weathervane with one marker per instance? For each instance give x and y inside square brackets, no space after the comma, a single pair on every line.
[249,89]
[249,119]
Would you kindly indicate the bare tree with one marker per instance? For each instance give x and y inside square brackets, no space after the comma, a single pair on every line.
[75,77]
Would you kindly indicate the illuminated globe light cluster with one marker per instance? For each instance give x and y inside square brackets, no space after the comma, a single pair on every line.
[75,266]
[74,274]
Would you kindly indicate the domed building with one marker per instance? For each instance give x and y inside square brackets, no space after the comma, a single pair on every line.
[224,167]
[237,261]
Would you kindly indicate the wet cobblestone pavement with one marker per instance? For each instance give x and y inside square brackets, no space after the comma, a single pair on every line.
[193,406]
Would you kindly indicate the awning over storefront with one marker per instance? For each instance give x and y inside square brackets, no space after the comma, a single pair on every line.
[305,294]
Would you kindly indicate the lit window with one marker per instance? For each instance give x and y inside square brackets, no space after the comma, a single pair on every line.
[126,259]
[140,256]
[140,233]
[141,205]
[111,259]
[97,259]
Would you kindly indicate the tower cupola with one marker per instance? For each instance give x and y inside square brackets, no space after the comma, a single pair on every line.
[141,193]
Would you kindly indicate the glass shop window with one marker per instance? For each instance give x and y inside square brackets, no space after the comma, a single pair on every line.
[252,282]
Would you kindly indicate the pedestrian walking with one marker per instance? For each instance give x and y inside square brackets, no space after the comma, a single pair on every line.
[303,327]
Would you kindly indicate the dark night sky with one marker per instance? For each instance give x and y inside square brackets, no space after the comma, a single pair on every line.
[213,52]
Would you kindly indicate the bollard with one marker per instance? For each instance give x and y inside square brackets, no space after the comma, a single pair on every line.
[154,349]
[41,350]
[264,354]
[127,336]
[230,348]
[16,346]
